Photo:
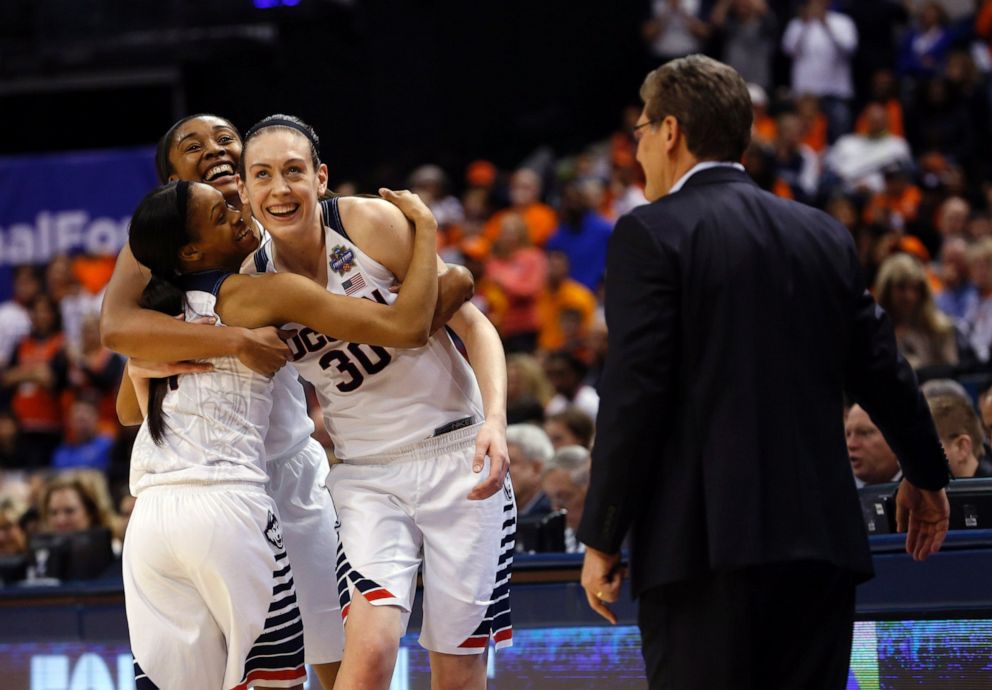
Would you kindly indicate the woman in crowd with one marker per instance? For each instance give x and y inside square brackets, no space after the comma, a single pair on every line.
[925,336]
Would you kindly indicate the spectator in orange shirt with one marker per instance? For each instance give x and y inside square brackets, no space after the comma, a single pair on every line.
[489,297]
[94,373]
[519,270]
[884,91]
[763,127]
[525,199]
[561,293]
[814,122]
[37,378]
[898,203]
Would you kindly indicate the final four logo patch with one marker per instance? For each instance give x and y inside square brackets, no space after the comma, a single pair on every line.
[342,259]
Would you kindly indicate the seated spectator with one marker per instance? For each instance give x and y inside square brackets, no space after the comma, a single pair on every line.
[519,270]
[529,449]
[583,235]
[858,159]
[525,201]
[570,427]
[15,318]
[95,372]
[952,217]
[977,323]
[796,164]
[936,388]
[872,461]
[566,372]
[961,435]
[884,90]
[69,505]
[488,297]
[764,128]
[74,302]
[430,183]
[958,295]
[8,442]
[562,293]
[37,377]
[528,390]
[566,481]
[87,447]
[925,45]
[597,345]
[924,335]
[898,202]
[13,541]
[814,122]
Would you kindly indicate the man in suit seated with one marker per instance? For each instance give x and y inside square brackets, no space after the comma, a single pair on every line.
[529,448]
[872,461]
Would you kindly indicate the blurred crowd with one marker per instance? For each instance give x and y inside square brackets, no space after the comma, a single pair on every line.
[877,112]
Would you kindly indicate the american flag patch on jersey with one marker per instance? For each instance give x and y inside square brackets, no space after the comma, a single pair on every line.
[353,284]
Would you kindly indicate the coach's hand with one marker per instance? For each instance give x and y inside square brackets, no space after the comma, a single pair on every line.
[602,576]
[923,515]
[491,441]
[262,349]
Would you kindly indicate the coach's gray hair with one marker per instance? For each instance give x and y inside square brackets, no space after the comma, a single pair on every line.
[575,460]
[532,440]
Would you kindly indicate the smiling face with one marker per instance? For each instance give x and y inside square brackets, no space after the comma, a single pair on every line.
[281,184]
[206,149]
[218,233]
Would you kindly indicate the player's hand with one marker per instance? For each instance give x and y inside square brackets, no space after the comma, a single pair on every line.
[147,369]
[923,515]
[412,207]
[602,576]
[263,350]
[491,441]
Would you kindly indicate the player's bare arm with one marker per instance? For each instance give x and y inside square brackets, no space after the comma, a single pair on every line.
[127,328]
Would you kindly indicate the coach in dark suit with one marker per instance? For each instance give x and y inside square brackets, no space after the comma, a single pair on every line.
[737,320]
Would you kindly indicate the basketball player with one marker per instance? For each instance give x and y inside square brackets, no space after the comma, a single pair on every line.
[210,595]
[207,148]
[412,427]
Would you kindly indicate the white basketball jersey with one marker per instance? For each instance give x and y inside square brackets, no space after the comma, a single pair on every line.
[376,399]
[215,422]
[290,425]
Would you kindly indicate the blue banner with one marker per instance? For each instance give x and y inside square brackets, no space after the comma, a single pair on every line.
[70,203]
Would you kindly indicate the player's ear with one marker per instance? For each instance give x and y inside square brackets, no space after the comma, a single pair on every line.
[321,180]
[190,253]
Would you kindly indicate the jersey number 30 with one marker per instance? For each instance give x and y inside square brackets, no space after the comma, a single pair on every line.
[347,365]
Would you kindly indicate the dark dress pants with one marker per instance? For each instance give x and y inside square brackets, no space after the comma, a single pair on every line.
[781,626]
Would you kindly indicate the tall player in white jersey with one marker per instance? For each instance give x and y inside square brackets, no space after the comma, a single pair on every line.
[207,148]
[414,428]
[196,597]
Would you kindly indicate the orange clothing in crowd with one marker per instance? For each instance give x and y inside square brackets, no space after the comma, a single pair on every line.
[37,408]
[893,111]
[571,295]
[540,219]
[882,206]
[816,134]
[521,277]
[93,272]
[765,129]
[490,299]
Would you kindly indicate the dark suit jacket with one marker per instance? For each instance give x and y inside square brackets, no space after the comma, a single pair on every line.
[736,322]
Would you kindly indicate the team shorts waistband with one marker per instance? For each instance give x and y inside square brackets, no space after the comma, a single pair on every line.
[427,449]
[203,487]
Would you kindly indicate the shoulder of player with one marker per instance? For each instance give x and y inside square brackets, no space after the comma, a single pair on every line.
[364,214]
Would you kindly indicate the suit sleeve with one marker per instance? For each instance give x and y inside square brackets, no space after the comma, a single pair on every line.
[883,383]
[639,381]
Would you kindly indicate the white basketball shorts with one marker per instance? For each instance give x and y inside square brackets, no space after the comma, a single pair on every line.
[209,592]
[408,508]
